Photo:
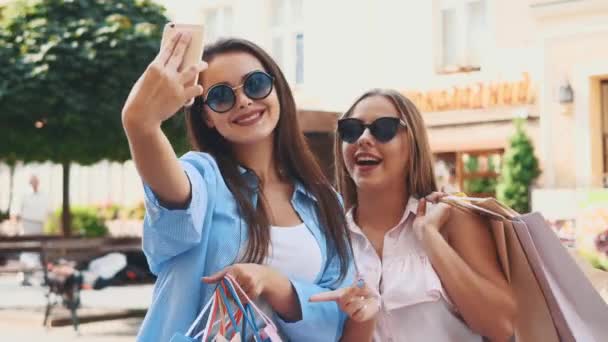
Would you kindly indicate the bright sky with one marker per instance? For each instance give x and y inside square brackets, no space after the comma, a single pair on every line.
[183,11]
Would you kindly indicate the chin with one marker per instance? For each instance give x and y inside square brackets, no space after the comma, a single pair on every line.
[252,137]
[369,183]
[365,183]
[253,134]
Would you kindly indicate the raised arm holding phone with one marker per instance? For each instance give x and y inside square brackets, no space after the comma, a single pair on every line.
[236,204]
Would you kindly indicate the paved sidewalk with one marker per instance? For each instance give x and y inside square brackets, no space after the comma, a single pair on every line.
[20,326]
[22,312]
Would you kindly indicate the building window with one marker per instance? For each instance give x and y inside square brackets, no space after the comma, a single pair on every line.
[288,38]
[478,172]
[218,23]
[604,104]
[475,173]
[299,58]
[462,35]
[277,49]
[449,38]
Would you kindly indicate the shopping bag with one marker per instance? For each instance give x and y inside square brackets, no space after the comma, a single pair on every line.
[556,301]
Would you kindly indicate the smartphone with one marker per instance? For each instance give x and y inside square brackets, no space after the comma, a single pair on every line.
[194,51]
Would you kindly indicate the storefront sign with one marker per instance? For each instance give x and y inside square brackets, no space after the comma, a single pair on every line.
[481,95]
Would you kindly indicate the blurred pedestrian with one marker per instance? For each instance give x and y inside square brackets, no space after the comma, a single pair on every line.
[32,216]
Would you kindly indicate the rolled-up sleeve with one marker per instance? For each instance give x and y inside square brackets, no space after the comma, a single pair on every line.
[320,321]
[169,232]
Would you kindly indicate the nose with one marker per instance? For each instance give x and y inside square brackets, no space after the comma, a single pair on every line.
[366,139]
[242,100]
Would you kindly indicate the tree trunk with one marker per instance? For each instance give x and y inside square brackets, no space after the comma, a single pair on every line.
[66,217]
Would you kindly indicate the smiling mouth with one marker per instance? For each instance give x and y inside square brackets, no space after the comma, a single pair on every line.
[367,161]
[248,119]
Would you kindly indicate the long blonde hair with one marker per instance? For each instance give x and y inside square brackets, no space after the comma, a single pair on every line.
[420,177]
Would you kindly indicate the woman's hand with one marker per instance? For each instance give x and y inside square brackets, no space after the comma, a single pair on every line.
[252,278]
[359,302]
[163,88]
[433,219]
[260,280]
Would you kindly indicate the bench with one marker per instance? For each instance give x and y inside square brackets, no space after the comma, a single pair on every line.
[78,250]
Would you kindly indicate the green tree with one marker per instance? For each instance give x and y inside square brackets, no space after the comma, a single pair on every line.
[67,67]
[520,169]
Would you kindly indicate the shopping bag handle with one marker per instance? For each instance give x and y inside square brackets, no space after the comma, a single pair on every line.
[232,285]
[265,318]
[469,204]
[231,315]
[197,320]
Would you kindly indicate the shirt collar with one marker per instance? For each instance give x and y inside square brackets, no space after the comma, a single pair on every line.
[301,189]
[252,180]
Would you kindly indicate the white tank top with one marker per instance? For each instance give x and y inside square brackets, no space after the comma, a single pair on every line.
[295,252]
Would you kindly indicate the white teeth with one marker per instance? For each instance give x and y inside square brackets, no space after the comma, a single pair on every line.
[248,118]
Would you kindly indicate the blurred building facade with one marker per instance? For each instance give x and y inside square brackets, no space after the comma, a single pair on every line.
[470,65]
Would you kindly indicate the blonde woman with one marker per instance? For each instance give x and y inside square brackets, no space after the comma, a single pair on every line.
[434,270]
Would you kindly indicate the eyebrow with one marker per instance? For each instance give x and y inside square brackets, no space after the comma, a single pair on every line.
[241,81]
[249,73]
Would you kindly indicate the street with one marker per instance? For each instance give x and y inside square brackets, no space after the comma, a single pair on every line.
[22,313]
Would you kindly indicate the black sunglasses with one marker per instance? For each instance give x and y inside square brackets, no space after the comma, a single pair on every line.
[383,129]
[221,97]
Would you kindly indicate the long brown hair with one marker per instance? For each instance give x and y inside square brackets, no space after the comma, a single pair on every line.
[294,159]
[420,177]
